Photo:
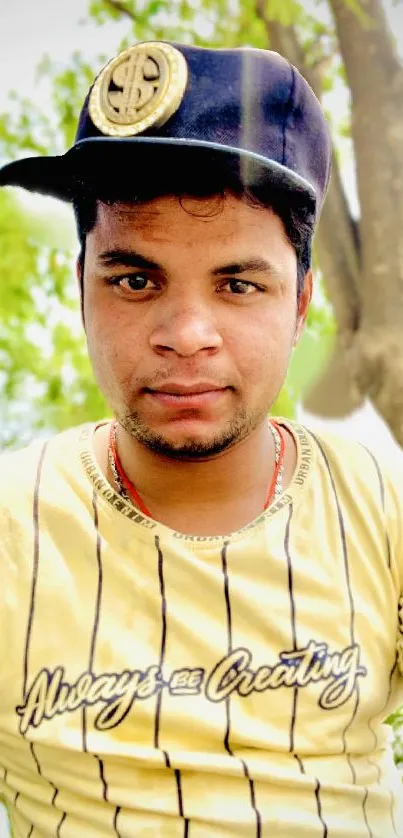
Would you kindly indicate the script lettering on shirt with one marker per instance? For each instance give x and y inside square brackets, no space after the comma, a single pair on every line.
[51,694]
[314,663]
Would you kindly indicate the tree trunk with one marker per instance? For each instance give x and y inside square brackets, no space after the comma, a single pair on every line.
[375,78]
[362,262]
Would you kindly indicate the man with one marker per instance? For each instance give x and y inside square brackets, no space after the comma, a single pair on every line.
[199,621]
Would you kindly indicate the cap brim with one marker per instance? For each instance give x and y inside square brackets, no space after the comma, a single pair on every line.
[99,162]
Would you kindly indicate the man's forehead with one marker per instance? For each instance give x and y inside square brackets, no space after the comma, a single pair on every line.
[167,230]
[222,208]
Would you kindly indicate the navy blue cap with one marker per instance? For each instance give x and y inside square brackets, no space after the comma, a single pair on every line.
[241,104]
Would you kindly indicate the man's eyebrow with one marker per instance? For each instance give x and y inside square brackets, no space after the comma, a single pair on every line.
[132,259]
[249,265]
[127,258]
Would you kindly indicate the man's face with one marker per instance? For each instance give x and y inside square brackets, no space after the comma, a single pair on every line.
[191,315]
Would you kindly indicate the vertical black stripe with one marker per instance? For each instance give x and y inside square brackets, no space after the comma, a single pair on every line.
[84,727]
[343,539]
[179,789]
[55,794]
[31,827]
[290,579]
[374,734]
[97,611]
[253,804]
[382,494]
[60,824]
[162,650]
[229,643]
[378,770]
[392,814]
[319,806]
[115,821]
[317,794]
[293,621]
[100,580]
[379,474]
[102,776]
[226,596]
[38,767]
[35,516]
[180,802]
[293,718]
[370,833]
[388,549]
[346,729]
[227,701]
[94,638]
[352,769]
[348,586]
[35,567]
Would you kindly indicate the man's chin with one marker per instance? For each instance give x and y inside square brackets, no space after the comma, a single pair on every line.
[191,444]
[186,448]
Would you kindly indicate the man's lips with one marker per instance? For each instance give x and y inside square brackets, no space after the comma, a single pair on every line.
[181,389]
[197,395]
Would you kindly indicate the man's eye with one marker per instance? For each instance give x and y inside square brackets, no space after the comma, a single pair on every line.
[238,286]
[132,282]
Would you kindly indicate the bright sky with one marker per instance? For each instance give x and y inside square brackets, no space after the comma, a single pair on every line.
[28,30]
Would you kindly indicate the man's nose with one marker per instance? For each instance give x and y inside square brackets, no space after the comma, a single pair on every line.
[186,329]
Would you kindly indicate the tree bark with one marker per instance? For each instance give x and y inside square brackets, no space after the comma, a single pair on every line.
[375,78]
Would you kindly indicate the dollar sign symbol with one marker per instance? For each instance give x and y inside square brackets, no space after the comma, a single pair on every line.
[136,77]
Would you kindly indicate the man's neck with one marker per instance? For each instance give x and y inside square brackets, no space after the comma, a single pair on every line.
[211,497]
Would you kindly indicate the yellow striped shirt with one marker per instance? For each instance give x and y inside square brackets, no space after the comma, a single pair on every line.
[157,684]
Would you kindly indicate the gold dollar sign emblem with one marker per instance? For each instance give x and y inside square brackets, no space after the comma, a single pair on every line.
[137,79]
[142,87]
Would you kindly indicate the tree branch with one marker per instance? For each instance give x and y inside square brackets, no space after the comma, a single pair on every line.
[368,48]
[283,39]
[120,7]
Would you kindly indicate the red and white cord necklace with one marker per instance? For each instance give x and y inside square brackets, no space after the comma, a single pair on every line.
[128,490]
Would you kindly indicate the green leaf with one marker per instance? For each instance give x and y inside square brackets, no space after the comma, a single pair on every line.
[286,12]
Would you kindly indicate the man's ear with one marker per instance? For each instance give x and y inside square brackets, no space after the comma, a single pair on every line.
[303,305]
[80,280]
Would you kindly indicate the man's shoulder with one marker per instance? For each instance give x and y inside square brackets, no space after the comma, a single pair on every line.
[354,462]
[22,469]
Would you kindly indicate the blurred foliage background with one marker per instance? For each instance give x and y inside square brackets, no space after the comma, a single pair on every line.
[45,379]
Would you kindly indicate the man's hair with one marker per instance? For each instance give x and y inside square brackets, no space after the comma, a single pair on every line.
[295,208]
